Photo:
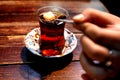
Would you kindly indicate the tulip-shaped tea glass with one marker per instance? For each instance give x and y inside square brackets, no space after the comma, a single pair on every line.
[52,31]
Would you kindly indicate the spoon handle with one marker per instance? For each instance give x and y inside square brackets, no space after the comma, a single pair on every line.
[65,20]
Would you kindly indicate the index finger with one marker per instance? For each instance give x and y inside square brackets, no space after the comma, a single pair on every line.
[106,37]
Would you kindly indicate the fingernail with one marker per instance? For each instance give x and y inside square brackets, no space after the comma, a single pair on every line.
[78,17]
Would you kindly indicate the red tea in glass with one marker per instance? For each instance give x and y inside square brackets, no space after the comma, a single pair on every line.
[52,31]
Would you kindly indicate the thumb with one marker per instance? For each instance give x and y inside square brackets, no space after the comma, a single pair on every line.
[79,18]
[97,17]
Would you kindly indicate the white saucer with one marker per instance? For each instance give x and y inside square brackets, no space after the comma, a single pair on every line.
[32,42]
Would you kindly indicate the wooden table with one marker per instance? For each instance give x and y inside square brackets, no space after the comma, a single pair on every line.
[17,18]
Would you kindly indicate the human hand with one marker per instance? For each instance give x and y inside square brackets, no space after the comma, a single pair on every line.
[101,33]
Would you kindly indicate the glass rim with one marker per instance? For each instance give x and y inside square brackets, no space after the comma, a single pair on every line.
[57,7]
